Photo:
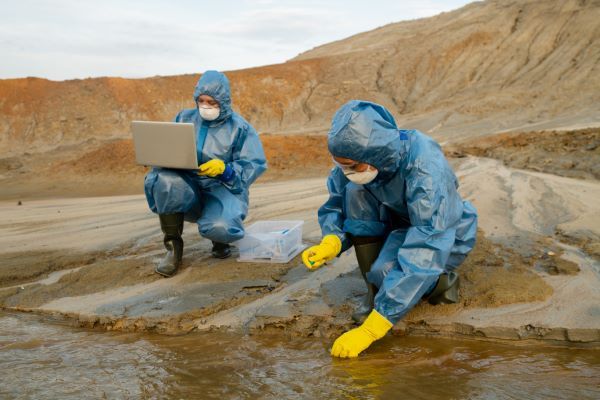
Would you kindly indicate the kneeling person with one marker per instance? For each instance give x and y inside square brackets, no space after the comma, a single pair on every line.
[231,157]
[393,196]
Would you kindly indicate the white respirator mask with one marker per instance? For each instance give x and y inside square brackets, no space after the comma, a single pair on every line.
[360,178]
[209,113]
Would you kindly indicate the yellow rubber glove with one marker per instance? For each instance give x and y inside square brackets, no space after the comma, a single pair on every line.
[315,256]
[351,343]
[212,168]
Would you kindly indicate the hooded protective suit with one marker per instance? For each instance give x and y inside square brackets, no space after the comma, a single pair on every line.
[413,202]
[218,205]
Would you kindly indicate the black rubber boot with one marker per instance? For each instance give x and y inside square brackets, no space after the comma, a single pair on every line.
[172,227]
[446,289]
[221,250]
[366,250]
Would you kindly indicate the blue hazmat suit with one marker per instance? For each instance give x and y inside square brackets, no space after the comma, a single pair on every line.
[218,205]
[413,203]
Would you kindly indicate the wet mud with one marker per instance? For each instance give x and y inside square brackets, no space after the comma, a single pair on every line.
[587,241]
[492,276]
[22,267]
[92,261]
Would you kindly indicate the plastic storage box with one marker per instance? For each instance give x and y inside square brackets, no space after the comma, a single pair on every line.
[271,241]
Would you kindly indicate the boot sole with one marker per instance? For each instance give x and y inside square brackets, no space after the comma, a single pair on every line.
[163,274]
[221,257]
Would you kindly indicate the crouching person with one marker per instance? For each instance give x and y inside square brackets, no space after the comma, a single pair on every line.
[393,196]
[231,157]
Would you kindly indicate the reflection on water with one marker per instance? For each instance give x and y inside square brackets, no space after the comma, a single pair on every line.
[40,358]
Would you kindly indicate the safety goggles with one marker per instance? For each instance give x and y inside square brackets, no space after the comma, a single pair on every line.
[354,167]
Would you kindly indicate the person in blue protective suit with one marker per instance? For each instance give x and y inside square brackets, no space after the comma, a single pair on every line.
[231,157]
[393,196]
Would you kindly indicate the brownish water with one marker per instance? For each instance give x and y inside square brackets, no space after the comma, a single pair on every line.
[43,358]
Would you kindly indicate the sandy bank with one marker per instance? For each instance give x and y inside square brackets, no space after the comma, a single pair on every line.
[92,260]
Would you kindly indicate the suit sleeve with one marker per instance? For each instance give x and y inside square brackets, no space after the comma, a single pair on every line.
[248,163]
[331,214]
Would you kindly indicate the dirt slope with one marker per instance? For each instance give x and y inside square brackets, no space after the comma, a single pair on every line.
[109,168]
[489,66]
[575,154]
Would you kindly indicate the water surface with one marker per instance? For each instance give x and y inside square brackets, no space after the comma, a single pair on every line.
[45,358]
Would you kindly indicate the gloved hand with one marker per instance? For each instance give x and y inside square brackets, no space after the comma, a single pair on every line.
[351,343]
[212,168]
[315,256]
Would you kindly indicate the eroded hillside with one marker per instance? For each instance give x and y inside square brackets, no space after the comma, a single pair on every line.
[487,67]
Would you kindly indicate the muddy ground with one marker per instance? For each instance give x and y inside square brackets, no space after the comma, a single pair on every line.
[493,275]
[92,258]
[570,153]
[93,262]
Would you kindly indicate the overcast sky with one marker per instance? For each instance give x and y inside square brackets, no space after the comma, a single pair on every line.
[67,39]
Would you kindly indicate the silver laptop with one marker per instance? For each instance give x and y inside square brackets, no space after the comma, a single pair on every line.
[165,144]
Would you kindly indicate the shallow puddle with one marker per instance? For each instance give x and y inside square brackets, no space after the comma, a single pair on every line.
[44,358]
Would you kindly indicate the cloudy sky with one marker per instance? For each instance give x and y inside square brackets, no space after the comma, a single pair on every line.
[67,39]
